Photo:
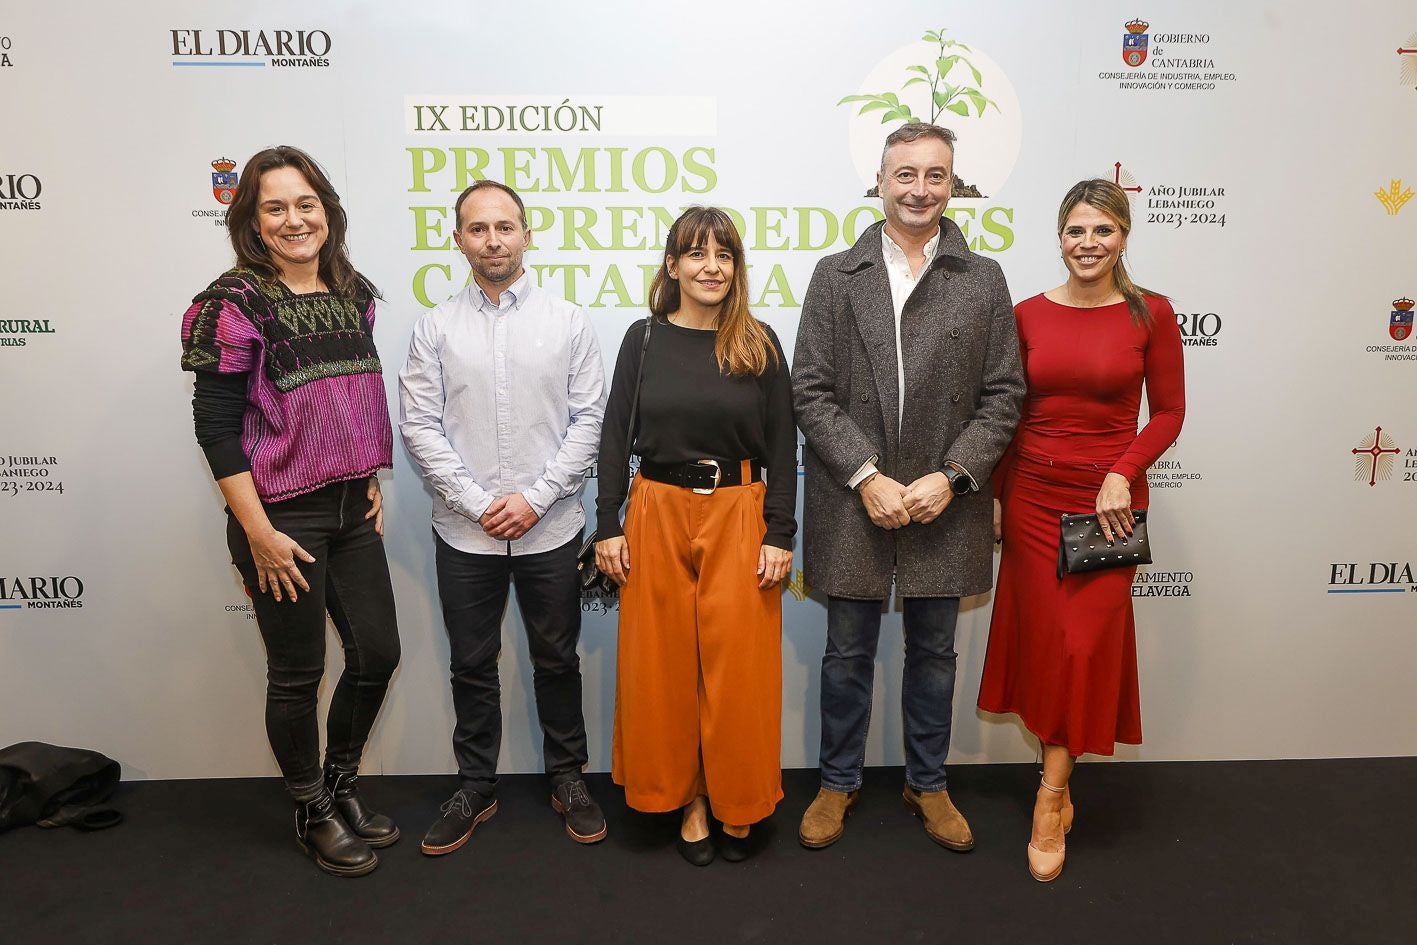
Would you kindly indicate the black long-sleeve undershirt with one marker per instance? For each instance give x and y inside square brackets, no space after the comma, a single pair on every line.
[218,408]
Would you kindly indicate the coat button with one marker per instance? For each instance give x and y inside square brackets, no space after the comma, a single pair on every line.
[865,398]
[954,399]
[954,332]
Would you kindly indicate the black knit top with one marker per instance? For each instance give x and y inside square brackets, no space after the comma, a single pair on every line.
[690,411]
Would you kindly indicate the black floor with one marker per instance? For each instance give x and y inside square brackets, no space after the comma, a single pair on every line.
[1274,852]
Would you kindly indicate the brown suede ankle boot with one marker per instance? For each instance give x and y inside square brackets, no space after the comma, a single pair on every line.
[825,819]
[943,821]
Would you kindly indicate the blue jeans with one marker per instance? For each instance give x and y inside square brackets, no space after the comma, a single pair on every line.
[926,696]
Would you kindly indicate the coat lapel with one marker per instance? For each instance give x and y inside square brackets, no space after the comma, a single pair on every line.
[928,315]
[869,291]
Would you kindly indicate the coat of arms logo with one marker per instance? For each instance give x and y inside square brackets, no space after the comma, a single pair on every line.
[224,180]
[1399,326]
[1134,42]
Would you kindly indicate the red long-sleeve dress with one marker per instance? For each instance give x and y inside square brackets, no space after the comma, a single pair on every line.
[1062,653]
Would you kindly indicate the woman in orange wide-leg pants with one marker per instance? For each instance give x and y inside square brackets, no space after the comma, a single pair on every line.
[702,395]
[699,685]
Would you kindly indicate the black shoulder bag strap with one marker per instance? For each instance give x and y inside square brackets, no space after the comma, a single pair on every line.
[635,402]
[591,578]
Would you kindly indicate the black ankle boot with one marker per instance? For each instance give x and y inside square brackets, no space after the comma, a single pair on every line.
[322,833]
[377,830]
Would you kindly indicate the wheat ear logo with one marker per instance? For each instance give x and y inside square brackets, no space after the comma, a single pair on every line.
[798,585]
[1394,198]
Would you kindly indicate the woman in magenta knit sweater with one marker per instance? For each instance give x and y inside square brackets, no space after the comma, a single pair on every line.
[290,410]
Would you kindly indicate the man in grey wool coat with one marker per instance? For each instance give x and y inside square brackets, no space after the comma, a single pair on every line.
[907,384]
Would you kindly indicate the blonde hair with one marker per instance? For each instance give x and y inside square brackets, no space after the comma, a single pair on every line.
[1112,200]
[742,344]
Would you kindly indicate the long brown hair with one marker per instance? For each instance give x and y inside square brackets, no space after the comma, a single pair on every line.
[1112,200]
[336,271]
[742,344]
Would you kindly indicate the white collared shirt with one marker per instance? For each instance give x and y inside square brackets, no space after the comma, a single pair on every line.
[903,280]
[499,398]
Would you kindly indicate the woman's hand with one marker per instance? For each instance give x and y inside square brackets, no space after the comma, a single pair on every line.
[376,506]
[612,557]
[275,553]
[998,522]
[1114,507]
[774,564]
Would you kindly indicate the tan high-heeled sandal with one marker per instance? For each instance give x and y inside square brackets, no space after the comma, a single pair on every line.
[1045,867]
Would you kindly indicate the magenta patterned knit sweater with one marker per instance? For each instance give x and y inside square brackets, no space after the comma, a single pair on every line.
[315,406]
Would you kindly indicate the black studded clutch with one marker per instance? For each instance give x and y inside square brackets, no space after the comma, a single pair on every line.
[592,579]
[1082,547]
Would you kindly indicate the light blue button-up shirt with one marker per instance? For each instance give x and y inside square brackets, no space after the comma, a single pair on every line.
[499,398]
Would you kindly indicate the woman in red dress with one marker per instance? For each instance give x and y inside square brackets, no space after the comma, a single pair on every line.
[1062,652]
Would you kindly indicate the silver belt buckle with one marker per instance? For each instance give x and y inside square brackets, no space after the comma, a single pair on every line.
[717,475]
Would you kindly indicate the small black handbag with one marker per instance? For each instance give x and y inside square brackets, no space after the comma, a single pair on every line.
[593,580]
[1082,547]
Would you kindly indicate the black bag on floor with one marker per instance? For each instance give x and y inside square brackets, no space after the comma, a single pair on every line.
[56,787]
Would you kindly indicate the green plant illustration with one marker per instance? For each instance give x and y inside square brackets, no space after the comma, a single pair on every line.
[944,95]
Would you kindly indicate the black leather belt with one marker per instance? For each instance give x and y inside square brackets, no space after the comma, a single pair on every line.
[705,475]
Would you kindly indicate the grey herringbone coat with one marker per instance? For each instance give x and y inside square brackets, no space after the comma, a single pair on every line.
[963,389]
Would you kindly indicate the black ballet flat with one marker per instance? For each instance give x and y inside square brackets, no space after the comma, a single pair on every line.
[697,852]
[736,849]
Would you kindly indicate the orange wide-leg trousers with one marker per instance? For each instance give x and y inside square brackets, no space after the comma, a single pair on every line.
[698,695]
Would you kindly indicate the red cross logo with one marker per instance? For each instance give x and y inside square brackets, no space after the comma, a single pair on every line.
[1377,450]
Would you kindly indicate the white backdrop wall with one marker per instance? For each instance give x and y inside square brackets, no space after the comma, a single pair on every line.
[1279,619]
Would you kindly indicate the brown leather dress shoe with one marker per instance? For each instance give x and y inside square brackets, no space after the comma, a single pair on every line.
[943,821]
[825,819]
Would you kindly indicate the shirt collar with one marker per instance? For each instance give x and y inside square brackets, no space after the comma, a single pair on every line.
[896,256]
[511,297]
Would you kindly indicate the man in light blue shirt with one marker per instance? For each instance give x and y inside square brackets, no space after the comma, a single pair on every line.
[500,405]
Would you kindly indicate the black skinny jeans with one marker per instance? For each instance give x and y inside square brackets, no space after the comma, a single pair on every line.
[349,580]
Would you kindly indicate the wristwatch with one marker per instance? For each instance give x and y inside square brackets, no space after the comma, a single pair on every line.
[960,483]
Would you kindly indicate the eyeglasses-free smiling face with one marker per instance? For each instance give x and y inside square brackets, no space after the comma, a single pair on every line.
[491,235]
[704,273]
[291,220]
[915,183]
[1091,243]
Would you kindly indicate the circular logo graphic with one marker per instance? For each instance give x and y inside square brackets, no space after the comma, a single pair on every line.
[956,86]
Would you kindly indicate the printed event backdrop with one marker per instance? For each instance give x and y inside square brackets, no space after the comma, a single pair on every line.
[1273,201]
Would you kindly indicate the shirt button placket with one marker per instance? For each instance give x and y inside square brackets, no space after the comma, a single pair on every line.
[504,408]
